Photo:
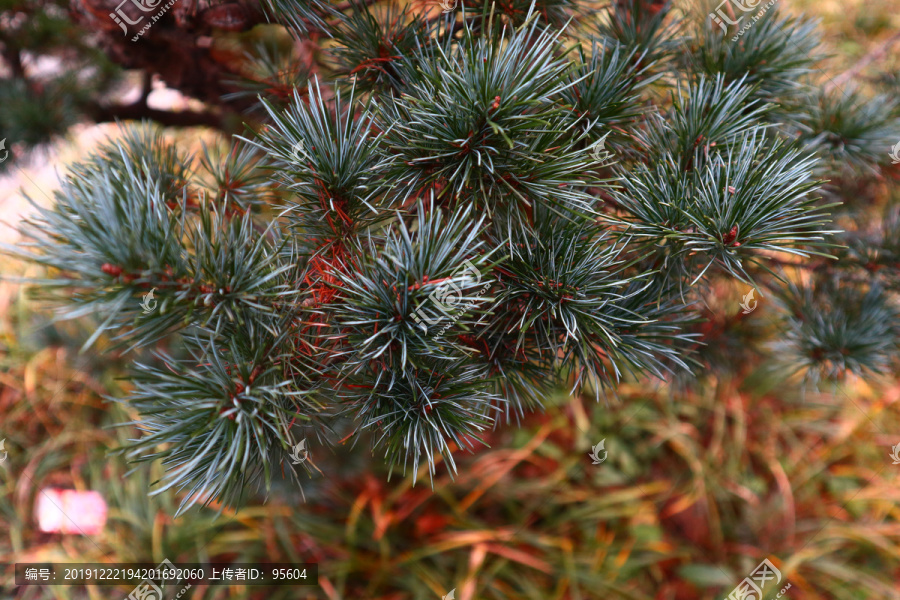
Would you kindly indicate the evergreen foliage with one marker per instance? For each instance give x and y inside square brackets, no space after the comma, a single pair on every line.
[458,214]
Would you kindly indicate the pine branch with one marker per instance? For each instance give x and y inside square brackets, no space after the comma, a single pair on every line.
[138,111]
[834,328]
[220,420]
[775,56]
[753,195]
[481,124]
[435,239]
[120,230]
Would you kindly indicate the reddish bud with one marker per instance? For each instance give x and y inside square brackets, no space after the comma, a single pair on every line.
[729,237]
[111,270]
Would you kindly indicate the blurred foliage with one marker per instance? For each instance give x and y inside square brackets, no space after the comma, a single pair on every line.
[697,489]
[58,94]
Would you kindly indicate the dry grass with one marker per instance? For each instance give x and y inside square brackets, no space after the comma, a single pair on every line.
[699,486]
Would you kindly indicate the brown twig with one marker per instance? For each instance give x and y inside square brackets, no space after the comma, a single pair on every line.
[139,110]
